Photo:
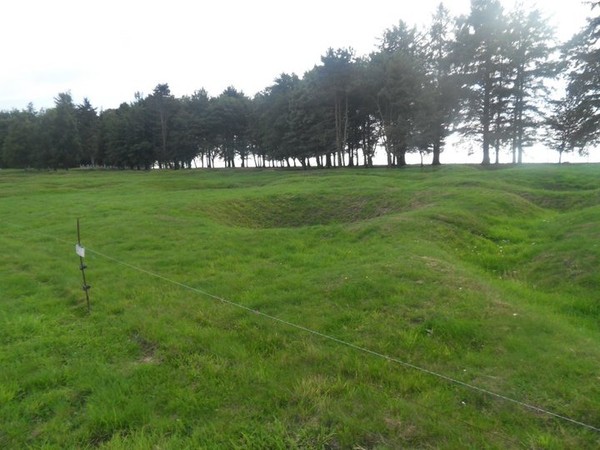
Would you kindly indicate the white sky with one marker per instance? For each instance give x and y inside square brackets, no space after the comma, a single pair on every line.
[107,50]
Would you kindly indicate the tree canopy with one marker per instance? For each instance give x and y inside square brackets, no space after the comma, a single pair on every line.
[486,76]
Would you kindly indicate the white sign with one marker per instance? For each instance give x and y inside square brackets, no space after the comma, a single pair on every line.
[80,250]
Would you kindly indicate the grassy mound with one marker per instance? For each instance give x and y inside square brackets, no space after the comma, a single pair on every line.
[488,277]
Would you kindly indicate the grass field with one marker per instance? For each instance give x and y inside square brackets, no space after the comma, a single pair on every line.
[487,277]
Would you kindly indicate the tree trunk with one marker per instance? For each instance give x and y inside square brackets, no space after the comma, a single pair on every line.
[485,119]
[518,115]
[436,153]
[402,158]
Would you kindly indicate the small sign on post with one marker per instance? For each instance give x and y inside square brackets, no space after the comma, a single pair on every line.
[80,250]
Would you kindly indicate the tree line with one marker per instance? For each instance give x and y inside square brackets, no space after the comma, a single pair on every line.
[485,75]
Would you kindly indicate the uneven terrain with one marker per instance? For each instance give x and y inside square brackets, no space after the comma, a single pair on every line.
[366,308]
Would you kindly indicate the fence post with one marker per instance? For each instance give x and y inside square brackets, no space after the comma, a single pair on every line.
[81,253]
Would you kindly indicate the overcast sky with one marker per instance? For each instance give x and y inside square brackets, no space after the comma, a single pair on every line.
[107,50]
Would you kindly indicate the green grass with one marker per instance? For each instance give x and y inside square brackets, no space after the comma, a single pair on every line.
[489,277]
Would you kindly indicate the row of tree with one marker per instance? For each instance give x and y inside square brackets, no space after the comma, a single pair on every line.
[484,75]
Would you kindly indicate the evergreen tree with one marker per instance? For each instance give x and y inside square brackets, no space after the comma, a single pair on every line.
[21,144]
[199,106]
[183,133]
[480,57]
[229,115]
[334,85]
[64,142]
[4,124]
[530,49]
[584,78]
[275,134]
[162,104]
[397,79]
[363,131]
[87,124]
[312,120]
[566,126]
[443,87]
[141,133]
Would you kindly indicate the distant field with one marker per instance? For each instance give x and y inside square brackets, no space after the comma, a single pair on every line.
[488,277]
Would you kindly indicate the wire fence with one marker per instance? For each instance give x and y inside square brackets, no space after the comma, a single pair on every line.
[341,342]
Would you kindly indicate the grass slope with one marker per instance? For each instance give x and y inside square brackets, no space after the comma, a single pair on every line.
[486,276]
